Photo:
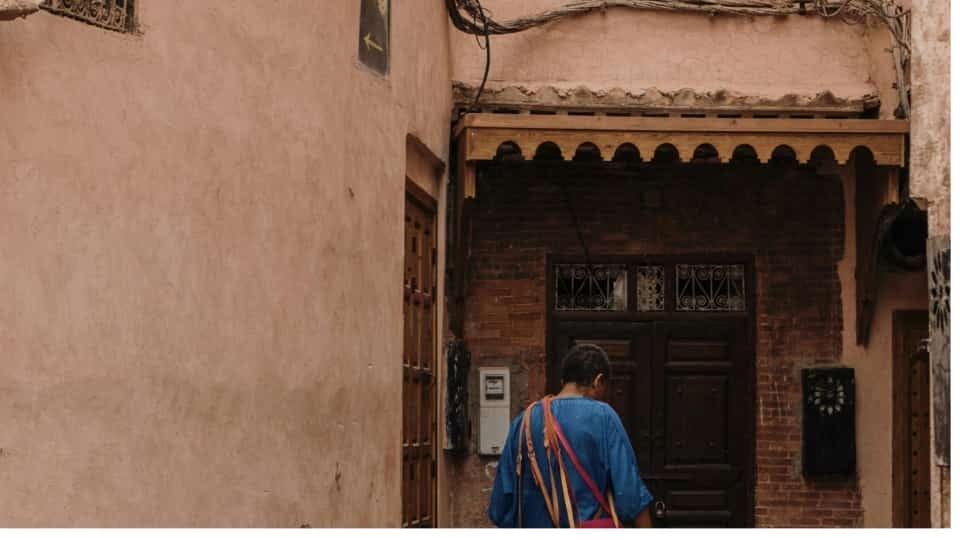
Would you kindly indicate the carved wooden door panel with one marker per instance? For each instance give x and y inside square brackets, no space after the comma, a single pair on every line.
[702,441]
[628,345]
[683,392]
[419,365]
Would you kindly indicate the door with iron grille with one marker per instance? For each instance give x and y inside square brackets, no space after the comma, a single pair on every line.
[419,362]
[678,337]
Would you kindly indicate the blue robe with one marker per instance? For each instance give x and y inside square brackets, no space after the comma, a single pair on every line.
[603,448]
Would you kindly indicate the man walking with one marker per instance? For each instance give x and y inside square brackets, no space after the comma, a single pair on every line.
[567,461]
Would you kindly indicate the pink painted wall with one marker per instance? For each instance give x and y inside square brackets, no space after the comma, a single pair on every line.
[874,366]
[636,50]
[200,237]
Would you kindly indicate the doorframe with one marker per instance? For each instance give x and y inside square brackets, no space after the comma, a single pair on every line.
[900,459]
[748,260]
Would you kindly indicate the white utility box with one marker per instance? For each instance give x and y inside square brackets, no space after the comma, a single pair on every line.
[494,410]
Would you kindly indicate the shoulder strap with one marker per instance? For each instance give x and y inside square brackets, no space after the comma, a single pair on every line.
[550,441]
[553,448]
[527,432]
[583,473]
[520,476]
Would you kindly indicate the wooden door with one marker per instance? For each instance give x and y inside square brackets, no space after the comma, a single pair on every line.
[419,363]
[628,345]
[911,432]
[702,437]
[683,392]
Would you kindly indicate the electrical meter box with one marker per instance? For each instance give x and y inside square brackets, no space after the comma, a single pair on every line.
[494,410]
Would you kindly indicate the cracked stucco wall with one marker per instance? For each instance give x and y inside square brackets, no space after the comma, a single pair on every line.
[642,53]
[930,122]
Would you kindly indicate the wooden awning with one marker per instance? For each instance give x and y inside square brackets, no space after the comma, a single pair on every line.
[482,135]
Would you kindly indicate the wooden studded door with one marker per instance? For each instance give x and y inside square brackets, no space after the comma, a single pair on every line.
[682,383]
[911,427]
[419,362]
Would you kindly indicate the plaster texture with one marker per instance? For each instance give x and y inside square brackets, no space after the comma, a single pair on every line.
[642,52]
[873,365]
[930,115]
[201,263]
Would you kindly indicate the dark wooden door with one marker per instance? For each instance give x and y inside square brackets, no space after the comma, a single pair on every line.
[683,392]
[911,426]
[419,364]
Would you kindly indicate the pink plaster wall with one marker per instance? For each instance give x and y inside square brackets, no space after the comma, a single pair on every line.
[873,363]
[636,50]
[201,263]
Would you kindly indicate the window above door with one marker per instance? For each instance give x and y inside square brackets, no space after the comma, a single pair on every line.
[649,287]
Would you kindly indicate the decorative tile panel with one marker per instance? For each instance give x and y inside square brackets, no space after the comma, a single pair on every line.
[650,288]
[938,265]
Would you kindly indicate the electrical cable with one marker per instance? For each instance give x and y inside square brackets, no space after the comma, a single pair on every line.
[464,15]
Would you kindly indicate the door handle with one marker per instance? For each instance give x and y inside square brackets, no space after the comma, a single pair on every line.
[660,510]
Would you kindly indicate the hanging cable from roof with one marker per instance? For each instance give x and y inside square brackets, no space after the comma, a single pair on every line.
[481,14]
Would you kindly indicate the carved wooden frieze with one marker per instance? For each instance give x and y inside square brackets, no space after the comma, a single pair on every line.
[808,140]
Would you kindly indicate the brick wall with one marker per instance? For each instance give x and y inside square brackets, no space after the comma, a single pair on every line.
[792,221]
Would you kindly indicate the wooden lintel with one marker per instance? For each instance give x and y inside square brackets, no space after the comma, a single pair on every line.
[483,134]
[654,124]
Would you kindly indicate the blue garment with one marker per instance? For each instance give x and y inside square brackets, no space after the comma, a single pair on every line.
[603,448]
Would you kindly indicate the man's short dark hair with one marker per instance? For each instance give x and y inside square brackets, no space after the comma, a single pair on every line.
[583,363]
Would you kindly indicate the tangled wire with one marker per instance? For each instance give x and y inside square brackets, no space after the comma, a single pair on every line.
[470,17]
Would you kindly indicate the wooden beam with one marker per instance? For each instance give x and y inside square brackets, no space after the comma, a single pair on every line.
[876,208]
[483,134]
[653,124]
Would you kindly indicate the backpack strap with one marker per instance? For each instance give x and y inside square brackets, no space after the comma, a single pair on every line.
[550,427]
[605,502]
[527,431]
[520,477]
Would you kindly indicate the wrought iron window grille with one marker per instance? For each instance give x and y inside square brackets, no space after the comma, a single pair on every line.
[711,287]
[591,287]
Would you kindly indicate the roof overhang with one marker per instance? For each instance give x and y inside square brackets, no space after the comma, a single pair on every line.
[482,135]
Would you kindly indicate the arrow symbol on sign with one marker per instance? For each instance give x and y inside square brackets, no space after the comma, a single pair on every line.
[370,43]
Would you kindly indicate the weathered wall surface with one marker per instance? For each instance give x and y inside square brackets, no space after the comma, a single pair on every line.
[643,52]
[794,224]
[930,180]
[874,366]
[188,222]
[930,114]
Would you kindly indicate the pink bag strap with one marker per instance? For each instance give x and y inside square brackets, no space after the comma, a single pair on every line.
[583,473]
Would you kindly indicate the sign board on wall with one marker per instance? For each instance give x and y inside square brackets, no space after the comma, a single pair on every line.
[374,44]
